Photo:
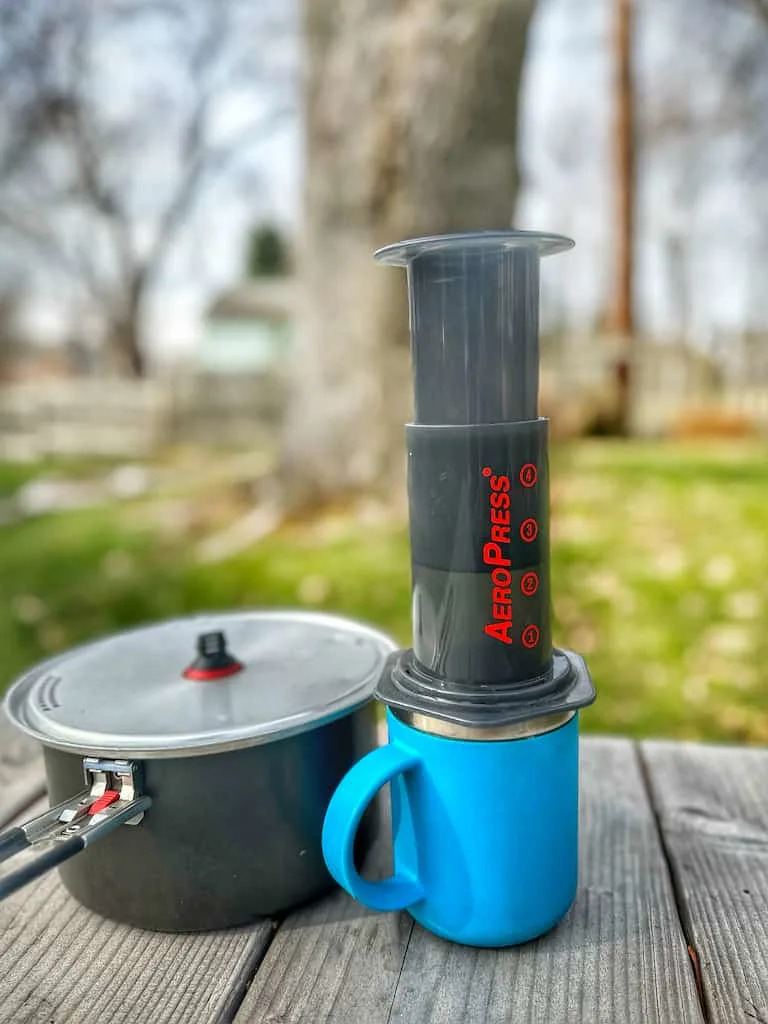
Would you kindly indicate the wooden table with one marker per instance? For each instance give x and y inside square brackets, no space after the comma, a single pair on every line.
[670,924]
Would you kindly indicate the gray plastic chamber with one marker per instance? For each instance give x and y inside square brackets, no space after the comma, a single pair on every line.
[478,486]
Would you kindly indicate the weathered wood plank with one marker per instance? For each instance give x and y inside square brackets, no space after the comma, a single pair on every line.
[333,961]
[620,955]
[59,963]
[713,808]
[21,771]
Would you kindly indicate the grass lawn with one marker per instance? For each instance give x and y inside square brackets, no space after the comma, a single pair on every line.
[660,578]
[14,475]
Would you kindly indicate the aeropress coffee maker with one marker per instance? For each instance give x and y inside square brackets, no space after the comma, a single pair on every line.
[482,713]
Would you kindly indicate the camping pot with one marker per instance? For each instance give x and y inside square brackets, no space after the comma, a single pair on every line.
[190,764]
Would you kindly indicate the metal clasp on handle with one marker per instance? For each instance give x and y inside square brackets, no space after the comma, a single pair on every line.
[113,797]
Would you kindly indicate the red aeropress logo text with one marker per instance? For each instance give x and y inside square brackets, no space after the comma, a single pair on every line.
[496,557]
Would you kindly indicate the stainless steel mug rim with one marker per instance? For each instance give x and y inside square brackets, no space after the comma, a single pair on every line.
[526,729]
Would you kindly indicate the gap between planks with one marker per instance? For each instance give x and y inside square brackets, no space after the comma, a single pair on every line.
[22,778]
[712,803]
[620,954]
[60,961]
[677,892]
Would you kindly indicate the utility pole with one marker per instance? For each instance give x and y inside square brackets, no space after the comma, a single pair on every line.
[621,321]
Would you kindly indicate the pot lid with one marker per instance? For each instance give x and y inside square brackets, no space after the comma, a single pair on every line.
[201,684]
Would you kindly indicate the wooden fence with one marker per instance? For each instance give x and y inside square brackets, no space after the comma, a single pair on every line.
[670,383]
[133,419]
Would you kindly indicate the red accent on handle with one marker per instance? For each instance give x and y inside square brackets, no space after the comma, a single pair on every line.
[212,673]
[109,796]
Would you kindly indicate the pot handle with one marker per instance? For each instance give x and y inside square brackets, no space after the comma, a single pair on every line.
[64,830]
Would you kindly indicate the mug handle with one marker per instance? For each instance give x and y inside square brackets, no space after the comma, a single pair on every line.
[348,804]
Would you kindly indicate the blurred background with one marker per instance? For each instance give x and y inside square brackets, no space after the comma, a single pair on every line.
[204,376]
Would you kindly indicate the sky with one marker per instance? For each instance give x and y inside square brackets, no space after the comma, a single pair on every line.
[702,235]
[702,219]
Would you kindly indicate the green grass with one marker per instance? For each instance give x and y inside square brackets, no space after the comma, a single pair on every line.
[660,578]
[14,475]
[660,569]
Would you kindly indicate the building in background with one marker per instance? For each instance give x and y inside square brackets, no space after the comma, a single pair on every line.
[249,328]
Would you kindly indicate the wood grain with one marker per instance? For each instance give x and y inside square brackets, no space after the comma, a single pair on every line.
[333,961]
[713,810]
[21,771]
[620,955]
[62,964]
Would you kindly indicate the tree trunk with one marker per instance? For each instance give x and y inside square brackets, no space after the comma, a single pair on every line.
[411,113]
[125,346]
[621,316]
[124,339]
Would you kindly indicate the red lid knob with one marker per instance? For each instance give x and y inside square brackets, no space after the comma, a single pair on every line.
[213,660]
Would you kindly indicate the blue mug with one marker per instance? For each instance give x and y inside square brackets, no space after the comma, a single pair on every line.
[485,832]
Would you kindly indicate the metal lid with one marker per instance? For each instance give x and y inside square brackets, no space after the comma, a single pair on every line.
[129,694]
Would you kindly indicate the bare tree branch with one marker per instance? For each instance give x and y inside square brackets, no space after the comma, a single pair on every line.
[71,171]
[89,151]
[760,7]
[200,175]
[26,56]
[75,259]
